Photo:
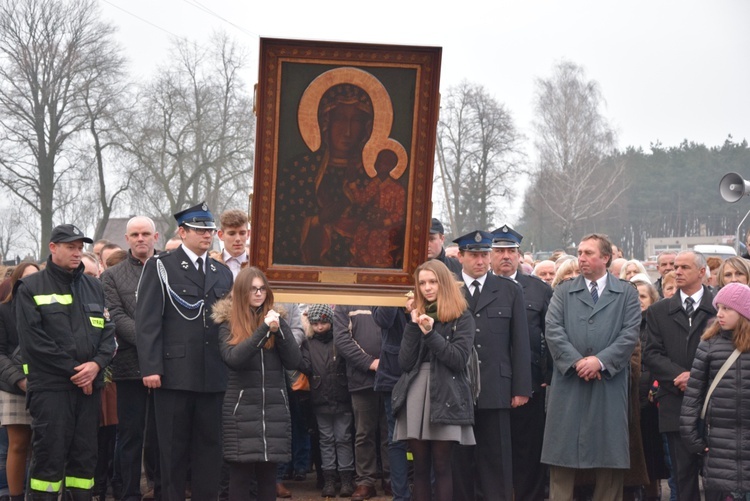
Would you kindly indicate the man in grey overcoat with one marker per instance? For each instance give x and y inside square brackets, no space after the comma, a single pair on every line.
[592,329]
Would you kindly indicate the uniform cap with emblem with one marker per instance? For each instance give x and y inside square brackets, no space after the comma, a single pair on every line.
[197,216]
[505,237]
[476,241]
[320,313]
[68,233]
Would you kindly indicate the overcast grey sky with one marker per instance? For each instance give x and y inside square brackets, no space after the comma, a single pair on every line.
[669,70]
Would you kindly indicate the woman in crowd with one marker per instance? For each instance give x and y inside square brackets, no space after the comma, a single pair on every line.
[712,273]
[432,401]
[631,268]
[734,269]
[725,438]
[669,285]
[650,437]
[257,345]
[568,269]
[13,413]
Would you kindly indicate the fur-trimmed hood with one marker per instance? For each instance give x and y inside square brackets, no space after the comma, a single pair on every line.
[222,310]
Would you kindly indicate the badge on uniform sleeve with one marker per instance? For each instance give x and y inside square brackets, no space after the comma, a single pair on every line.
[184,265]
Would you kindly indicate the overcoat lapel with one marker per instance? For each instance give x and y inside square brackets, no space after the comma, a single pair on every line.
[487,293]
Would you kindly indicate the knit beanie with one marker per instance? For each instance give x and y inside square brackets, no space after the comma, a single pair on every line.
[321,313]
[735,296]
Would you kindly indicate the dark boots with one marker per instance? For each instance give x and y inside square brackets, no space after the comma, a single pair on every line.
[347,483]
[329,484]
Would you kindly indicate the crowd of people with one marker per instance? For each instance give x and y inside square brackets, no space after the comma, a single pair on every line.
[576,377]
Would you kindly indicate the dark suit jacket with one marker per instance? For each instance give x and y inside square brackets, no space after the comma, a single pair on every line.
[184,352]
[670,350]
[537,294]
[502,342]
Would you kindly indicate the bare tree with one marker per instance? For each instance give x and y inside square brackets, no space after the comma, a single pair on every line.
[573,139]
[49,53]
[192,137]
[478,154]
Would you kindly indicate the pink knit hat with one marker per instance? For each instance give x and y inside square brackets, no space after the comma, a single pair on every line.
[735,296]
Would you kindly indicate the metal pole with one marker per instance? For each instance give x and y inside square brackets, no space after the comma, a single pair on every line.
[737,234]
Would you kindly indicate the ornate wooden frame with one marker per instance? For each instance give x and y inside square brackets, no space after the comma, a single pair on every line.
[293,75]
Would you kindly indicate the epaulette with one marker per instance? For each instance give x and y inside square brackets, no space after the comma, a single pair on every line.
[220,262]
[163,254]
[507,278]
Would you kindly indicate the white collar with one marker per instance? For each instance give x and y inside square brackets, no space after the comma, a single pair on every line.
[193,256]
[697,297]
[601,283]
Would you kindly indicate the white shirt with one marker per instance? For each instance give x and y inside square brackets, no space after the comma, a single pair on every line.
[194,257]
[469,280]
[234,263]
[697,297]
[601,283]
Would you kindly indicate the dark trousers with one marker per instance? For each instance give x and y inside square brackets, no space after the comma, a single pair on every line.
[487,465]
[64,442]
[134,404]
[245,477]
[189,428]
[527,436]
[396,456]
[371,434]
[685,468]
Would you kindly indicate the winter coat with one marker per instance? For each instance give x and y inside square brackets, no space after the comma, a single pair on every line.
[62,323]
[391,321]
[326,371]
[120,283]
[587,421]
[256,424]
[11,371]
[670,350]
[358,340]
[447,347]
[726,467]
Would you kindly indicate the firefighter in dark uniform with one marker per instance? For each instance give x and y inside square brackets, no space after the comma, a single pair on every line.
[66,338]
[502,343]
[178,353]
[527,421]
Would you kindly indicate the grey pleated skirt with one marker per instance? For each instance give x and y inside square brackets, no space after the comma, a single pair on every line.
[13,409]
[413,421]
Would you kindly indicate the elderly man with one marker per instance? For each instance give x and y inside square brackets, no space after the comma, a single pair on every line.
[502,343]
[664,264]
[674,327]
[527,421]
[545,270]
[592,329]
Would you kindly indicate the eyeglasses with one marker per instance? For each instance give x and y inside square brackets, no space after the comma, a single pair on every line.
[258,290]
[203,231]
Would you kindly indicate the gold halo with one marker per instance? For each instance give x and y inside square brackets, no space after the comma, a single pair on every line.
[307,116]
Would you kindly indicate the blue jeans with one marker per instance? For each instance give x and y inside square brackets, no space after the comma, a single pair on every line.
[299,408]
[396,456]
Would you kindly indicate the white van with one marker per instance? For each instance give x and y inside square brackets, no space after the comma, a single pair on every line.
[720,251]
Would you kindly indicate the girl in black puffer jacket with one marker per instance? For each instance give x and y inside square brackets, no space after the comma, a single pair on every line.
[726,437]
[331,402]
[257,345]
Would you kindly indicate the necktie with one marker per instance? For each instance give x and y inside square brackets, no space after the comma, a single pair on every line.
[689,306]
[199,262]
[475,295]
[594,292]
